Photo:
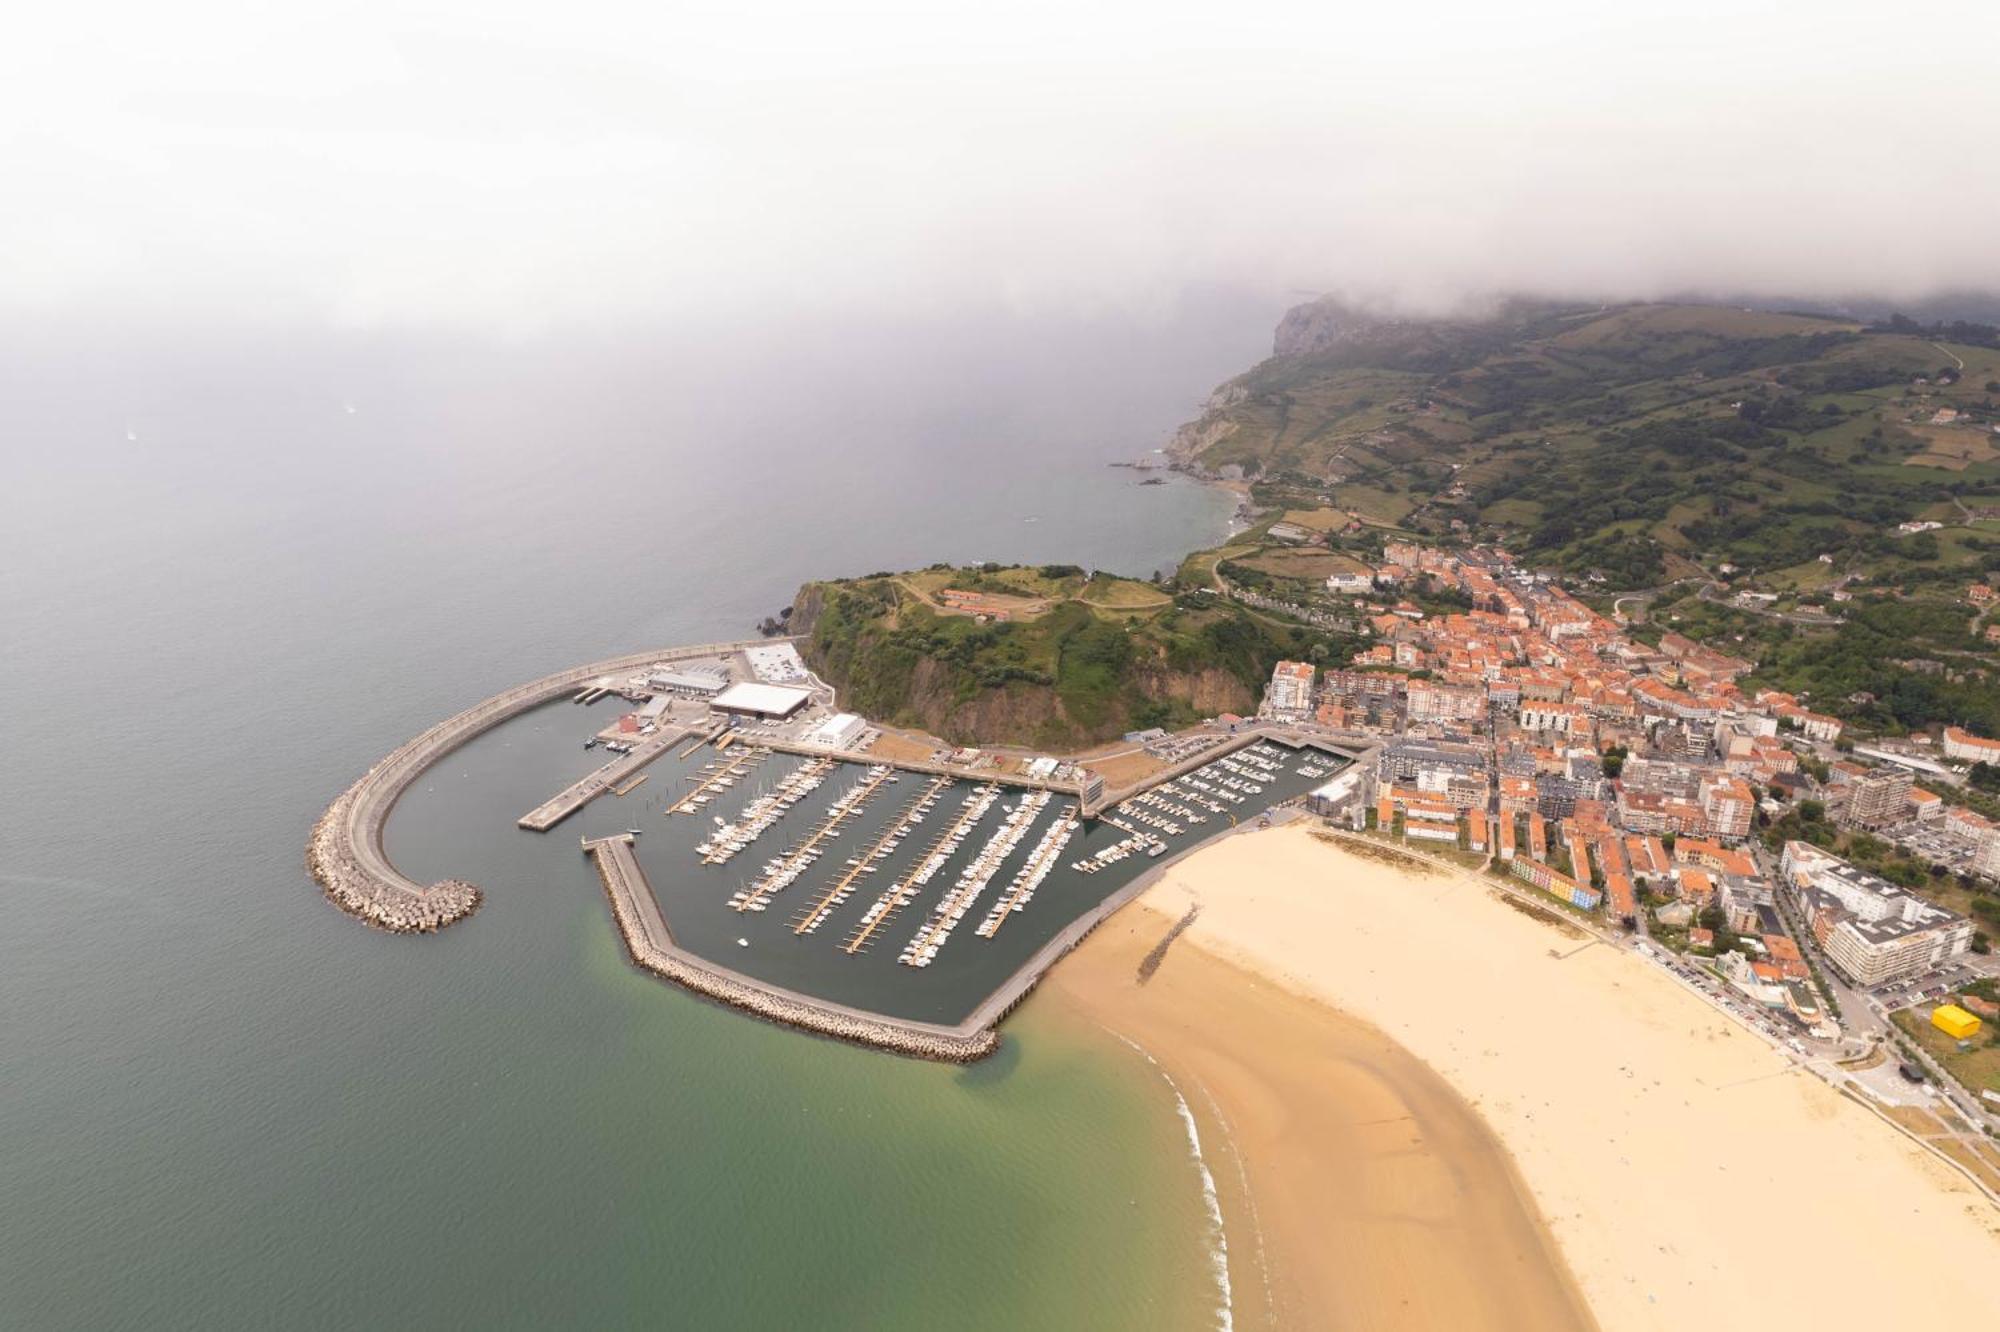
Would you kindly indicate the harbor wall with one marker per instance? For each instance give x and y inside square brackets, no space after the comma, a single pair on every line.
[927,767]
[651,945]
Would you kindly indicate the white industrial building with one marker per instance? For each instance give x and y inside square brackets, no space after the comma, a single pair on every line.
[843,730]
[760,700]
[690,681]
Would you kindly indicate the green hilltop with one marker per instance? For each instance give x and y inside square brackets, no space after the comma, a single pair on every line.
[1052,657]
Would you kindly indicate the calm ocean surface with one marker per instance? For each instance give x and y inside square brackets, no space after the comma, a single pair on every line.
[233,575]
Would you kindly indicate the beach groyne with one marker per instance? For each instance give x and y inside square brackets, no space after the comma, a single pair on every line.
[651,945]
[344,853]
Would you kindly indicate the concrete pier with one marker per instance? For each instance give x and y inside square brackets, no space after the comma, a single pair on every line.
[586,789]
[1345,746]
[652,948]
[926,767]
[344,853]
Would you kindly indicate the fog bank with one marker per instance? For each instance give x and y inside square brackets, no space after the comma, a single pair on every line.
[540,168]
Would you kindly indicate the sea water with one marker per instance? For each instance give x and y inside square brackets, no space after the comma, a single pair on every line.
[224,593]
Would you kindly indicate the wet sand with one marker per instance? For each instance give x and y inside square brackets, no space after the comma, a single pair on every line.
[1690,1176]
[1358,1189]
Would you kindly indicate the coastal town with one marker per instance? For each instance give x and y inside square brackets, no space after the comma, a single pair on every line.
[1641,791]
[1829,894]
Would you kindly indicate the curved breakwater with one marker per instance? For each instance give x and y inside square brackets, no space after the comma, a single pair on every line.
[344,853]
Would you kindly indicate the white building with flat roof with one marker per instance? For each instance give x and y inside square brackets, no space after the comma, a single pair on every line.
[843,730]
[697,681]
[748,699]
[1291,689]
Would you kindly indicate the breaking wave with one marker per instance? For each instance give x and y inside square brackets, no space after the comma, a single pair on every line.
[1218,1253]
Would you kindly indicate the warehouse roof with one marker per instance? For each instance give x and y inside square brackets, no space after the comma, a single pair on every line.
[764,699]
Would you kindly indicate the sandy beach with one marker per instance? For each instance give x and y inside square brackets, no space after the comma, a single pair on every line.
[1357,1188]
[1438,1111]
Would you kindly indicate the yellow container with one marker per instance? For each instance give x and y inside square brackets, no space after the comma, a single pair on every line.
[1954,1022]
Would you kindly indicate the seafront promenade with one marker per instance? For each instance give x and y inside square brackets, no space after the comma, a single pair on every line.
[344,853]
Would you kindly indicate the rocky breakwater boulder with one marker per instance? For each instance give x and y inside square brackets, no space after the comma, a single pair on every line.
[384,900]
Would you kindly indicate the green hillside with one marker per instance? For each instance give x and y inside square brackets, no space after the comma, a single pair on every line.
[1639,443]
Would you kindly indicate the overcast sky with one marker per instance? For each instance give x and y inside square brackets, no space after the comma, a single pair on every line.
[527,167]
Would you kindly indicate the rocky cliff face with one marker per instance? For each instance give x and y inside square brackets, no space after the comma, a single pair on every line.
[1316,326]
[806,608]
[1034,715]
[1210,428]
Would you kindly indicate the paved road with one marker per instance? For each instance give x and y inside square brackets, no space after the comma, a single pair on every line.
[1713,593]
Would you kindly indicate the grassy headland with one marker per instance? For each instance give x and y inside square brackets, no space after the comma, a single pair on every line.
[1077,658]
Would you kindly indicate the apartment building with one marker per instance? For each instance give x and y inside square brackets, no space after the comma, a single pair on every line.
[1873,931]
[1728,806]
[1291,689]
[1869,797]
[1560,718]
[1433,702]
[1966,747]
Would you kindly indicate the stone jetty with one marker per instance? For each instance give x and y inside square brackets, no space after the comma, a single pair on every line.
[389,902]
[652,948]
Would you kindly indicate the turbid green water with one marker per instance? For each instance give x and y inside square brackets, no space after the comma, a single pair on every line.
[225,1105]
